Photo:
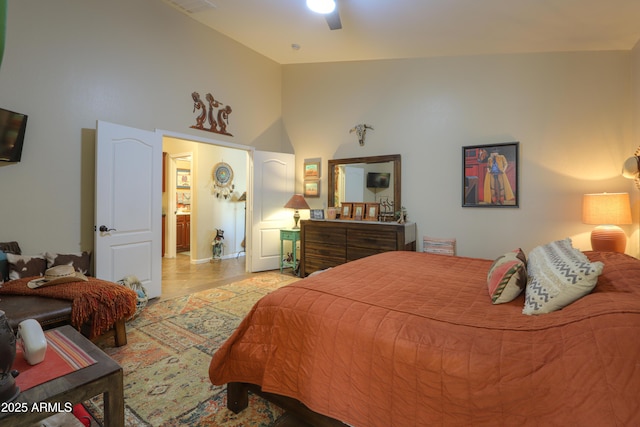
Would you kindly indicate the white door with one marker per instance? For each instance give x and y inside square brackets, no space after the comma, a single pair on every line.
[273,186]
[128,205]
[354,184]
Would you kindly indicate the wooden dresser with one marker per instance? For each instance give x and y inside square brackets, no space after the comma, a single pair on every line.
[328,243]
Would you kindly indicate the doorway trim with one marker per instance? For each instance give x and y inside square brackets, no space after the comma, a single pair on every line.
[172,208]
[171,235]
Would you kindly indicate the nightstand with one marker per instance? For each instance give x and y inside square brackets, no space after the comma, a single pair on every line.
[294,237]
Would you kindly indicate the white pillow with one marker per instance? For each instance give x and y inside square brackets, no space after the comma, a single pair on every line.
[558,274]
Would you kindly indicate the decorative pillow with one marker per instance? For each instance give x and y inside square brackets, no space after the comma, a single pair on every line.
[81,261]
[26,265]
[559,274]
[507,277]
[7,248]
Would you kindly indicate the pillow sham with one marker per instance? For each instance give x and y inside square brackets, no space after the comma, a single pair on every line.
[81,261]
[507,277]
[558,274]
[26,266]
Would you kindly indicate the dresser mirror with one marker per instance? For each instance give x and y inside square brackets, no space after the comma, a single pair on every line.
[366,179]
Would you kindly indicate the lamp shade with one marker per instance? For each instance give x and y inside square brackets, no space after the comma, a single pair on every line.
[606,208]
[297,202]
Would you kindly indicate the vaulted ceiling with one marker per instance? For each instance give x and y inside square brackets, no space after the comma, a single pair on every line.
[383,29]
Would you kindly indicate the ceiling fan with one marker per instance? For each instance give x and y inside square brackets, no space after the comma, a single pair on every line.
[329,9]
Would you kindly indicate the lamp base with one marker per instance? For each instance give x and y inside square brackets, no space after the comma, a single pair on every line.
[296,218]
[608,238]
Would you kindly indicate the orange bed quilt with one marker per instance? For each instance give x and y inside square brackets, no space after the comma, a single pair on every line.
[406,339]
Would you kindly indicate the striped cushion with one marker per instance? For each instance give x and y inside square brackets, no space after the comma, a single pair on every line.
[507,277]
[559,274]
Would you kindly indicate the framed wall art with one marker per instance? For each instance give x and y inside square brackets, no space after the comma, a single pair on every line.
[312,169]
[312,188]
[183,178]
[490,175]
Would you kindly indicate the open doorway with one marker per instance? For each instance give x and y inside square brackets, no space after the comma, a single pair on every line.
[194,210]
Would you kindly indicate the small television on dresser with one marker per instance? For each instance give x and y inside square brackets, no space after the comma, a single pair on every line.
[12,129]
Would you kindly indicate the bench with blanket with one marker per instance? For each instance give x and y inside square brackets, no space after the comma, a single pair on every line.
[94,306]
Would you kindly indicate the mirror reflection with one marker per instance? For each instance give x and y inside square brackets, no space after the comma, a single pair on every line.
[366,179]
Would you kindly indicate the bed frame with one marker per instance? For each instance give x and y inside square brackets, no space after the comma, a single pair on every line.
[238,399]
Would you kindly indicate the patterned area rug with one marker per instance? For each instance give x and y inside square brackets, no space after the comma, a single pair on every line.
[166,359]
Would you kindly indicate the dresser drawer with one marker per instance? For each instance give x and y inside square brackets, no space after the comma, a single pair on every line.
[324,250]
[333,235]
[290,235]
[382,240]
[354,253]
[320,263]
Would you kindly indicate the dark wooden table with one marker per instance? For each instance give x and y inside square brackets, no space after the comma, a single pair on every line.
[103,377]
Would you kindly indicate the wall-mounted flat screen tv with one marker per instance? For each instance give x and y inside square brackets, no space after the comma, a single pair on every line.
[12,128]
[378,180]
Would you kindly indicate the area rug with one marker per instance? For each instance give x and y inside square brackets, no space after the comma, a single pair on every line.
[166,359]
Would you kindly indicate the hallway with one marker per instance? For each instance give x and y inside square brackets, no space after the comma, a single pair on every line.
[180,277]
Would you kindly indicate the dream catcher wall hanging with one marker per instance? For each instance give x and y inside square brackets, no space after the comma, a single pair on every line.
[222,176]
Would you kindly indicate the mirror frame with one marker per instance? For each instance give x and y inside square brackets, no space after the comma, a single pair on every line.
[397,173]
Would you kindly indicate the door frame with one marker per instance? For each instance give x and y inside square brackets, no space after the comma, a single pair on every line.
[250,150]
[171,251]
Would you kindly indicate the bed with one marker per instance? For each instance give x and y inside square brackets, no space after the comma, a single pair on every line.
[406,339]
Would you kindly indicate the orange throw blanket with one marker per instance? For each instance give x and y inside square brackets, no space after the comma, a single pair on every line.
[97,302]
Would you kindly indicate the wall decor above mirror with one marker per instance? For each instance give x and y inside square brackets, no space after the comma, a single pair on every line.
[374,179]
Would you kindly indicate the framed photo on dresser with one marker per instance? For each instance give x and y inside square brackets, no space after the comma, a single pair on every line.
[345,210]
[358,211]
[371,211]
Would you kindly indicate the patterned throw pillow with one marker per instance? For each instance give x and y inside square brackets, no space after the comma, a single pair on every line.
[507,277]
[80,261]
[26,265]
[559,274]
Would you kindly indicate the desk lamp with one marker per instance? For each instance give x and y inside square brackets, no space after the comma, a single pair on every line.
[297,202]
[607,211]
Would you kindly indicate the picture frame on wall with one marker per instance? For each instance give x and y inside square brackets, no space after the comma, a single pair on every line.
[312,188]
[183,178]
[490,175]
[312,169]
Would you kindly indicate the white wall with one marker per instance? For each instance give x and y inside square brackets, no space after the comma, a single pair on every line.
[69,63]
[571,113]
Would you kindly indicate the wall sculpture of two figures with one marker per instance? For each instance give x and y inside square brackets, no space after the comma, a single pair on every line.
[206,120]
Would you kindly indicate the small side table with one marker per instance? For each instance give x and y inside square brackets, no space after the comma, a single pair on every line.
[294,237]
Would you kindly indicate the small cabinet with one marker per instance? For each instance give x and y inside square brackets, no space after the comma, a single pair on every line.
[183,233]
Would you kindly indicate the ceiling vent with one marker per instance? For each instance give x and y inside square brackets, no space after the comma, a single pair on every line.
[192,6]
